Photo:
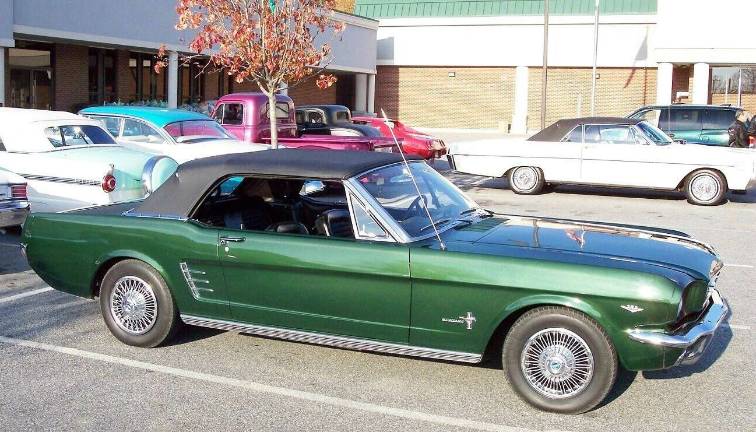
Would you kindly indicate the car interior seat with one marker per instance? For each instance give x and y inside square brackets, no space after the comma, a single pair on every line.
[335,223]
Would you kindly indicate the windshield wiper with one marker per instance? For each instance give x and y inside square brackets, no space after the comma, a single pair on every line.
[435,224]
[488,213]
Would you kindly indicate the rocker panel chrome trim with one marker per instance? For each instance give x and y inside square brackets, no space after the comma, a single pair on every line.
[335,341]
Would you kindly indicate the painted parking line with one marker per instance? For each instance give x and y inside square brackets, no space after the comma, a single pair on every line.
[739,265]
[24,295]
[738,326]
[268,389]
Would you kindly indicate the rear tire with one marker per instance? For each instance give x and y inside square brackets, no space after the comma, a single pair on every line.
[558,359]
[137,306]
[706,188]
[526,180]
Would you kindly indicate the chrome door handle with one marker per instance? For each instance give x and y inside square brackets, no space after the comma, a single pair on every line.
[226,240]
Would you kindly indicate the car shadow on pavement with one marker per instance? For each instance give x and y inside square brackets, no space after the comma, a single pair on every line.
[11,260]
[716,348]
[188,334]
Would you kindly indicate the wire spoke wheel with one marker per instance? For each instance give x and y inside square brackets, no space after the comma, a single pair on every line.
[557,363]
[133,305]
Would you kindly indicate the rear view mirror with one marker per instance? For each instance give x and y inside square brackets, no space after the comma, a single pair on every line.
[312,187]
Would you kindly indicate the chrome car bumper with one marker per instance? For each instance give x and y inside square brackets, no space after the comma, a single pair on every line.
[694,339]
[13,213]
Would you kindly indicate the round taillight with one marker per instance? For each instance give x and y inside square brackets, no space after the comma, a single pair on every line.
[108,183]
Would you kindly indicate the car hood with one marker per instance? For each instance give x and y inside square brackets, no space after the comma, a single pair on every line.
[190,151]
[586,243]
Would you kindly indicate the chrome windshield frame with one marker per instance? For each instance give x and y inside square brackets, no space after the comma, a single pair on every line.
[385,219]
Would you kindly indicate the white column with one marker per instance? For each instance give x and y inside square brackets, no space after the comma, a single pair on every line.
[520,115]
[360,92]
[2,76]
[285,90]
[700,83]
[664,84]
[371,94]
[173,66]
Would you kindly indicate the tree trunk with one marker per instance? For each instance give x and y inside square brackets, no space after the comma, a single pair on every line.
[273,123]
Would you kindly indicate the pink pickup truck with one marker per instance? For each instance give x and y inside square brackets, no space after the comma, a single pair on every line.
[245,115]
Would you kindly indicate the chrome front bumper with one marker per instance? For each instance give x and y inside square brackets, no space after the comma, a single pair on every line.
[13,213]
[695,338]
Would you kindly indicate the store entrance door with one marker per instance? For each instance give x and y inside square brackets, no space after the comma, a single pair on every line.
[30,88]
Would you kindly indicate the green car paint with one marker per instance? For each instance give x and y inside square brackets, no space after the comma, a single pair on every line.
[412,294]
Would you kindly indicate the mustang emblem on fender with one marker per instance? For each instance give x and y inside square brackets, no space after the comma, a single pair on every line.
[632,308]
[468,320]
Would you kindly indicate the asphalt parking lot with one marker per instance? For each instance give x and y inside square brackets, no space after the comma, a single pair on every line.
[60,369]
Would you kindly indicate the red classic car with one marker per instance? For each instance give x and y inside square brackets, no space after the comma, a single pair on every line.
[413,141]
[245,115]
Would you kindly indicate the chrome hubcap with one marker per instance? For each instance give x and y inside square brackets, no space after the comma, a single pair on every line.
[133,305]
[557,363]
[525,178]
[704,187]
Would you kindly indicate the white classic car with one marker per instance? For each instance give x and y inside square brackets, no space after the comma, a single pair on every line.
[14,205]
[610,151]
[70,161]
[180,134]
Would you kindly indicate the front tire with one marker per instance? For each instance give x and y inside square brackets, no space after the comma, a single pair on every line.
[526,180]
[706,187]
[560,360]
[137,306]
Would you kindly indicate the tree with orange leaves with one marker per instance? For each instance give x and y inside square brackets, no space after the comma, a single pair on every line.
[269,42]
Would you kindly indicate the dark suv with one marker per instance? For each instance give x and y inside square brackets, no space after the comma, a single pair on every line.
[696,124]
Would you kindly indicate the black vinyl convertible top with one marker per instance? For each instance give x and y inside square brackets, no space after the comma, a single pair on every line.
[558,130]
[180,193]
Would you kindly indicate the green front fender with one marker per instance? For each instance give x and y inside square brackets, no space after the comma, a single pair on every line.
[632,355]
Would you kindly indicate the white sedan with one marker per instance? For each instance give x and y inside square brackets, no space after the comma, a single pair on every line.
[179,134]
[610,151]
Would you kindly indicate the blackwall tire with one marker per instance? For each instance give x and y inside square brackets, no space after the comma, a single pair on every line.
[526,180]
[560,360]
[137,306]
[706,188]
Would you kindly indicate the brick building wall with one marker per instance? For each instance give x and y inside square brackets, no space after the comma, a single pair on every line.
[307,93]
[124,79]
[71,76]
[747,101]
[476,97]
[619,91]
[682,81]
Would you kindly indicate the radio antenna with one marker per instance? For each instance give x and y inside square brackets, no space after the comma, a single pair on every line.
[417,188]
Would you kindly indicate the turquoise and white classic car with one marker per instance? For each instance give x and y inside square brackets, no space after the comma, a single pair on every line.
[71,162]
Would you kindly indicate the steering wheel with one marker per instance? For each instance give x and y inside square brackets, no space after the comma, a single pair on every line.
[414,209]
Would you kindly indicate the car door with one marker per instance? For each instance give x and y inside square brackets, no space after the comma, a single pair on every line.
[682,123]
[340,286]
[141,136]
[616,155]
[716,122]
[230,115]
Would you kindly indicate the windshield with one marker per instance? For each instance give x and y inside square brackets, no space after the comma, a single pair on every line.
[77,135]
[654,134]
[196,130]
[392,187]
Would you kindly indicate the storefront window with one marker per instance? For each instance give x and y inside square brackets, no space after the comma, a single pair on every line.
[145,84]
[102,76]
[734,85]
[31,76]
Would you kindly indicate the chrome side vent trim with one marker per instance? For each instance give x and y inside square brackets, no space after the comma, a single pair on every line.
[334,341]
[192,280]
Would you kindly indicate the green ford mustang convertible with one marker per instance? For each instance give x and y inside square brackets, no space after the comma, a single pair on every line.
[364,251]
